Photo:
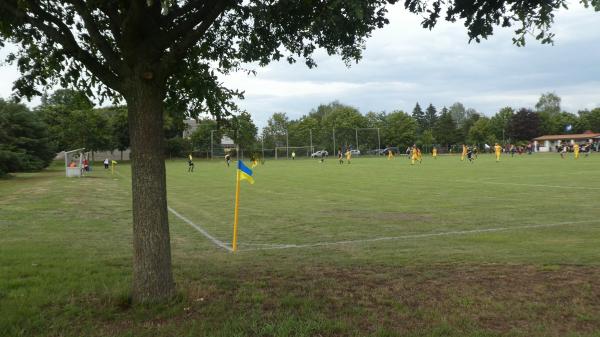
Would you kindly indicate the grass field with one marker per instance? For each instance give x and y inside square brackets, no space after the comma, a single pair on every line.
[374,248]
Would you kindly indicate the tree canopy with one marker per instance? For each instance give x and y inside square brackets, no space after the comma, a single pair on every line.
[25,143]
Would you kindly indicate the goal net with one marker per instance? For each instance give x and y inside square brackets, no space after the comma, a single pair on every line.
[285,152]
[74,161]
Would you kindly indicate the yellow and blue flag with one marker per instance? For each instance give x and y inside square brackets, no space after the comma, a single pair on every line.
[245,172]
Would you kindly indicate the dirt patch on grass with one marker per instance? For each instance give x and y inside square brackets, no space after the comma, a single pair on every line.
[498,299]
[442,300]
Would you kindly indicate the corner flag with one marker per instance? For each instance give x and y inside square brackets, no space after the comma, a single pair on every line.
[243,172]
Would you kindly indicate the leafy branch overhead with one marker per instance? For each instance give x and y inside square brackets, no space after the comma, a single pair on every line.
[96,45]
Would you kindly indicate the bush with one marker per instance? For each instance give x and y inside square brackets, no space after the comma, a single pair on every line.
[178,147]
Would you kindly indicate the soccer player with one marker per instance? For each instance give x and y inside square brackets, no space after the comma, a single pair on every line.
[434,153]
[340,156]
[464,152]
[563,151]
[419,155]
[227,159]
[413,154]
[348,156]
[470,154]
[576,151]
[390,154]
[190,163]
[586,149]
[498,151]
[293,155]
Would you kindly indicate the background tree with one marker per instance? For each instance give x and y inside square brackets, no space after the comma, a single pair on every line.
[154,53]
[444,131]
[201,137]
[524,125]
[345,119]
[548,103]
[463,132]
[25,143]
[427,139]
[56,111]
[274,134]
[458,113]
[301,130]
[500,122]
[430,117]
[419,116]
[400,130]
[480,133]
[589,120]
[119,128]
[375,119]
[242,130]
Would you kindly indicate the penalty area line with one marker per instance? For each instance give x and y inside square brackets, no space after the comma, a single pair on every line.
[191,223]
[417,236]
[201,230]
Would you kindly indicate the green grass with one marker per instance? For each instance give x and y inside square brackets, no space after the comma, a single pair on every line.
[383,248]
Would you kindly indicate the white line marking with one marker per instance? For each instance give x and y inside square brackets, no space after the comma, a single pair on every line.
[416,236]
[201,230]
[197,227]
[507,183]
[540,185]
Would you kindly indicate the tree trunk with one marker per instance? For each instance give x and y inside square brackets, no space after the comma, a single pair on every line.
[152,275]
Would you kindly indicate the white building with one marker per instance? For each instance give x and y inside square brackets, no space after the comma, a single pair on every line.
[549,143]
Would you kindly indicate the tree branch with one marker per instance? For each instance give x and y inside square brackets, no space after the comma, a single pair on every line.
[63,36]
[186,25]
[178,49]
[111,56]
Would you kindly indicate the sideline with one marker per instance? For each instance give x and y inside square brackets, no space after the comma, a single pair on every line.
[416,236]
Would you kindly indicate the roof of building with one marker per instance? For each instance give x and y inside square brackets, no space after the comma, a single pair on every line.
[585,135]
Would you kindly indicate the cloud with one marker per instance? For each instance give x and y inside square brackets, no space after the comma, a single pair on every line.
[404,64]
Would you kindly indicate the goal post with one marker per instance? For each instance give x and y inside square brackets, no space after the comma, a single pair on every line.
[285,152]
[74,162]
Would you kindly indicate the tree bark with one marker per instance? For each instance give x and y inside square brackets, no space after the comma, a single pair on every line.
[152,275]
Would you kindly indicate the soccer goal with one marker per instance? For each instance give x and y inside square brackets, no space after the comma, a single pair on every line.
[74,161]
[285,152]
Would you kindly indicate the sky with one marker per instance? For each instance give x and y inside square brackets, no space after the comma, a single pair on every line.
[404,64]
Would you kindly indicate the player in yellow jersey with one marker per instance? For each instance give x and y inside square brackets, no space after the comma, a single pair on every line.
[498,151]
[464,152]
[390,154]
[419,155]
[576,150]
[348,156]
[413,153]
[434,153]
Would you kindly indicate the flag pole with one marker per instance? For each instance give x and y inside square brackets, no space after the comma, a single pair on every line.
[235,213]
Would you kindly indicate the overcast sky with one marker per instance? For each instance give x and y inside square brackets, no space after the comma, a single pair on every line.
[404,64]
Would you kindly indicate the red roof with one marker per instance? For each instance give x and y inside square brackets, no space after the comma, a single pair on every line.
[578,136]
